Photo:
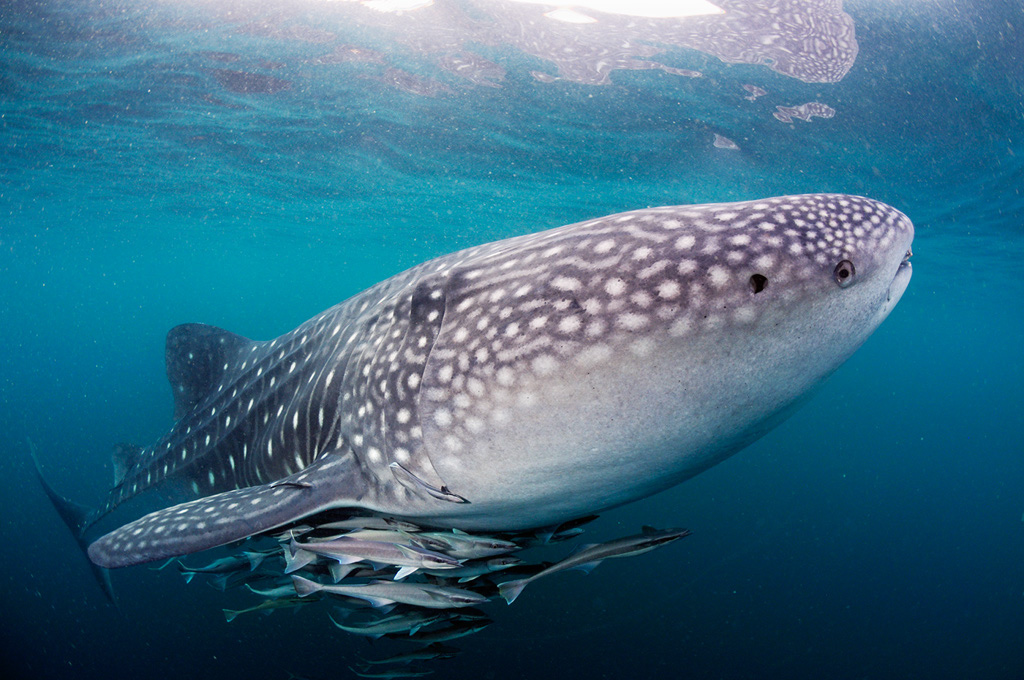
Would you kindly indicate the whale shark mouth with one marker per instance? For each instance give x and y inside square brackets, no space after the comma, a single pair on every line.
[902,276]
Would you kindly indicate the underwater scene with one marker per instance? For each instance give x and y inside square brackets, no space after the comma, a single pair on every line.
[512,339]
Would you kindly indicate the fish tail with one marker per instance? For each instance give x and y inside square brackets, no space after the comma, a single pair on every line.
[304,587]
[510,589]
[293,561]
[336,624]
[165,564]
[78,519]
[255,559]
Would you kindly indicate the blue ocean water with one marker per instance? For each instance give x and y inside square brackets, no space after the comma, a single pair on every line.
[249,164]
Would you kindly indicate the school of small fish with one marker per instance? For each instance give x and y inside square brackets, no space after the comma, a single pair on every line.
[390,578]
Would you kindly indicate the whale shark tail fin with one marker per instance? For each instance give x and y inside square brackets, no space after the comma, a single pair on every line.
[78,519]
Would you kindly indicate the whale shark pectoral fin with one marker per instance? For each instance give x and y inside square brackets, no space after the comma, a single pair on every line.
[230,516]
[408,479]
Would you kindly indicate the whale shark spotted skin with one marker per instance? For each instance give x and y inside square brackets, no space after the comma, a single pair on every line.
[524,382]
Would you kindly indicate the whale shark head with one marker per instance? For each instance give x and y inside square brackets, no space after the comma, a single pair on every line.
[594,364]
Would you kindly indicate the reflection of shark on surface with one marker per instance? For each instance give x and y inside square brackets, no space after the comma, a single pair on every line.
[519,383]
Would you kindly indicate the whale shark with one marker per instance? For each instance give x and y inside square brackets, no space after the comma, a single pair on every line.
[520,383]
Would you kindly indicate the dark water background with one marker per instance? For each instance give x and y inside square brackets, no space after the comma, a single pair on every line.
[876,534]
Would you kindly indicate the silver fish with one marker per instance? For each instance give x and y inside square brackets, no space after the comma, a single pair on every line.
[383,593]
[405,621]
[589,556]
[266,606]
[432,651]
[473,570]
[370,522]
[467,546]
[389,673]
[348,550]
[275,593]
[453,631]
[246,560]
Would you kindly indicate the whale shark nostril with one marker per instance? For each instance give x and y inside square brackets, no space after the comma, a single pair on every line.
[758,282]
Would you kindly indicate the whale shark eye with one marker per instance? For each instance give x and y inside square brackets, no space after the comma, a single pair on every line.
[758,282]
[844,272]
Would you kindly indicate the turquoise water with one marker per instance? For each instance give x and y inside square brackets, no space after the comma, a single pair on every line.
[250,164]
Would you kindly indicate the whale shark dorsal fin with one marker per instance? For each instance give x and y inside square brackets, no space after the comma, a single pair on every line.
[124,458]
[196,357]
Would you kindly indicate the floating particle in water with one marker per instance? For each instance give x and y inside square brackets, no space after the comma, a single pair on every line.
[754,91]
[725,143]
[804,112]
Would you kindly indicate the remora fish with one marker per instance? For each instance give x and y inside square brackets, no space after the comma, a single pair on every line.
[519,383]
[248,560]
[453,631]
[266,606]
[478,568]
[275,593]
[589,556]
[403,621]
[432,651]
[389,674]
[371,523]
[466,546]
[383,593]
[398,537]
[348,550]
